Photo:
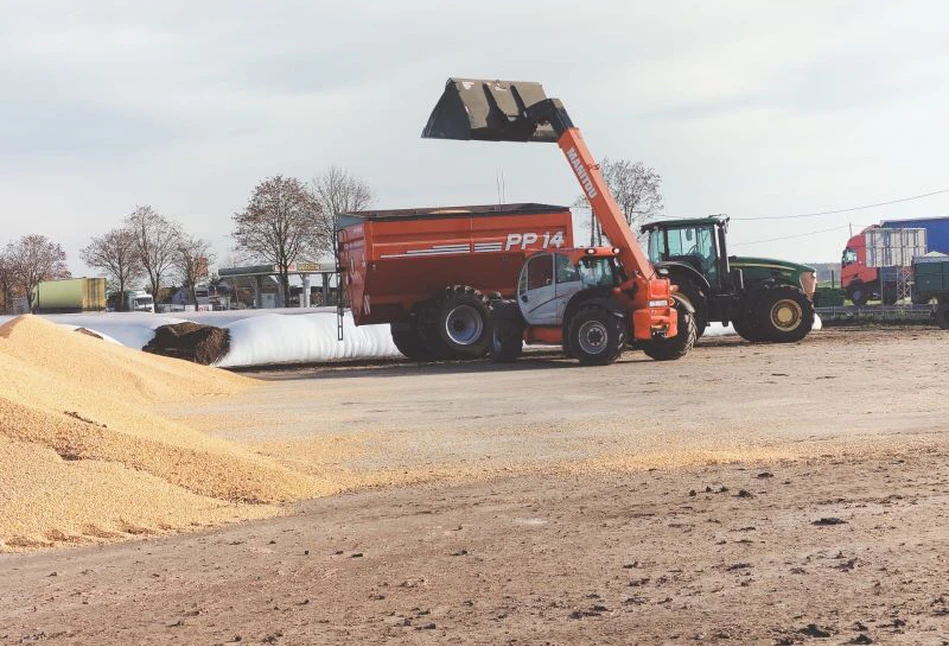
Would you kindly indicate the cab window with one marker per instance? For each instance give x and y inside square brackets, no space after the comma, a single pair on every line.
[849,257]
[540,272]
[597,272]
[564,269]
[657,246]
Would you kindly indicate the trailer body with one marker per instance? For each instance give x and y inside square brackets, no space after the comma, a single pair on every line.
[394,260]
[70,295]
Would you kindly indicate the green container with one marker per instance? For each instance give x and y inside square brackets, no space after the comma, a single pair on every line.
[829,297]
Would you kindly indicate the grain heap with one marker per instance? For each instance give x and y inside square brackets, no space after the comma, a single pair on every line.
[83,457]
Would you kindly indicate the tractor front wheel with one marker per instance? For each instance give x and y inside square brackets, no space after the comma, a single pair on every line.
[696,297]
[679,345]
[596,335]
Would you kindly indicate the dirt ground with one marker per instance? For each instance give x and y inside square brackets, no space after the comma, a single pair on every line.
[746,494]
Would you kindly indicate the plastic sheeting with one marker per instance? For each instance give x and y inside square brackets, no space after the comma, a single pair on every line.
[262,337]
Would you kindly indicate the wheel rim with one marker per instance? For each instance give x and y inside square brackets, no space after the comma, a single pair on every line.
[786,315]
[592,337]
[464,325]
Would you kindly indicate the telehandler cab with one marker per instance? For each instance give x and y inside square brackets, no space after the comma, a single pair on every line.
[593,301]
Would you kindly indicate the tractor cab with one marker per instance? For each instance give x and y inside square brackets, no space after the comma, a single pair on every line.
[548,280]
[698,243]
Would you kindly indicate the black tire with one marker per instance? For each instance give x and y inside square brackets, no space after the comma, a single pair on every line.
[921,299]
[857,292]
[407,339]
[745,324]
[784,314]
[507,332]
[889,295]
[679,345]
[697,299]
[596,335]
[942,315]
[458,322]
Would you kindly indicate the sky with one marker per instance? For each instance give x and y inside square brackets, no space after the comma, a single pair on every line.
[748,108]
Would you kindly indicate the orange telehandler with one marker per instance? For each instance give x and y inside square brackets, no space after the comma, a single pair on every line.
[589,300]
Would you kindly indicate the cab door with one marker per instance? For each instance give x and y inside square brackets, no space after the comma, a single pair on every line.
[537,291]
[568,281]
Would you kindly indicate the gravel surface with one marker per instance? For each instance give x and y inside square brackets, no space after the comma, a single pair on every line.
[752,494]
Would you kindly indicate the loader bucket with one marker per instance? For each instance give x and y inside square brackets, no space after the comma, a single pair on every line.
[485,110]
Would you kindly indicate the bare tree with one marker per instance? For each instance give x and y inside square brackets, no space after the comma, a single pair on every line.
[33,259]
[194,256]
[6,283]
[636,189]
[115,253]
[339,191]
[156,241]
[281,223]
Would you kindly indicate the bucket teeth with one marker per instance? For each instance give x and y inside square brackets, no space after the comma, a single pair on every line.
[484,110]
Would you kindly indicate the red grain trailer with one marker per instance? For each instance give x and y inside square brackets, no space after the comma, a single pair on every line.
[429,272]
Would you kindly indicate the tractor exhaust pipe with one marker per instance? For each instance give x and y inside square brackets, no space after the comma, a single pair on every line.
[483,110]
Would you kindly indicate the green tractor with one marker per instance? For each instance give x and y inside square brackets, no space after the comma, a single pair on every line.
[765,300]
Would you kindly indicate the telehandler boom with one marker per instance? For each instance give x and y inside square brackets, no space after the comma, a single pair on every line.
[589,300]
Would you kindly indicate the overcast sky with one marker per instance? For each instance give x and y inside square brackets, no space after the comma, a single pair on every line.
[746,108]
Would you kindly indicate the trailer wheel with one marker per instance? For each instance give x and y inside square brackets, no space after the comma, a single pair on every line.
[679,345]
[507,332]
[461,322]
[407,339]
[597,336]
[942,315]
[784,314]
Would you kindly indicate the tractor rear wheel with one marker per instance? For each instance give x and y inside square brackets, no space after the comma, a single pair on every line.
[679,345]
[507,332]
[784,314]
[460,318]
[596,335]
[942,315]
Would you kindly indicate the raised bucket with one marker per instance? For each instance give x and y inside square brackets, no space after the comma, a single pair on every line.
[483,110]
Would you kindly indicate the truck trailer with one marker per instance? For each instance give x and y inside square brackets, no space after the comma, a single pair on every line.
[862,282]
[429,272]
[71,295]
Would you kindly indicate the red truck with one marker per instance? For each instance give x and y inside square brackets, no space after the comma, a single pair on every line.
[428,272]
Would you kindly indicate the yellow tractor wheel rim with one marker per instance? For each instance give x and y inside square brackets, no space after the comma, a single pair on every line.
[786,315]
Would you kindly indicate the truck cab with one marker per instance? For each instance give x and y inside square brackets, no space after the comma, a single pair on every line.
[860,281]
[140,301]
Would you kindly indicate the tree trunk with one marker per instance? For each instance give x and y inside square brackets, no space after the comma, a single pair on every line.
[285,287]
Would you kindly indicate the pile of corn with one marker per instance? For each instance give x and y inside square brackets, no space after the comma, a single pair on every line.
[84,457]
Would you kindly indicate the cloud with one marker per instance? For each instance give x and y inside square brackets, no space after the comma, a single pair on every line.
[743,107]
